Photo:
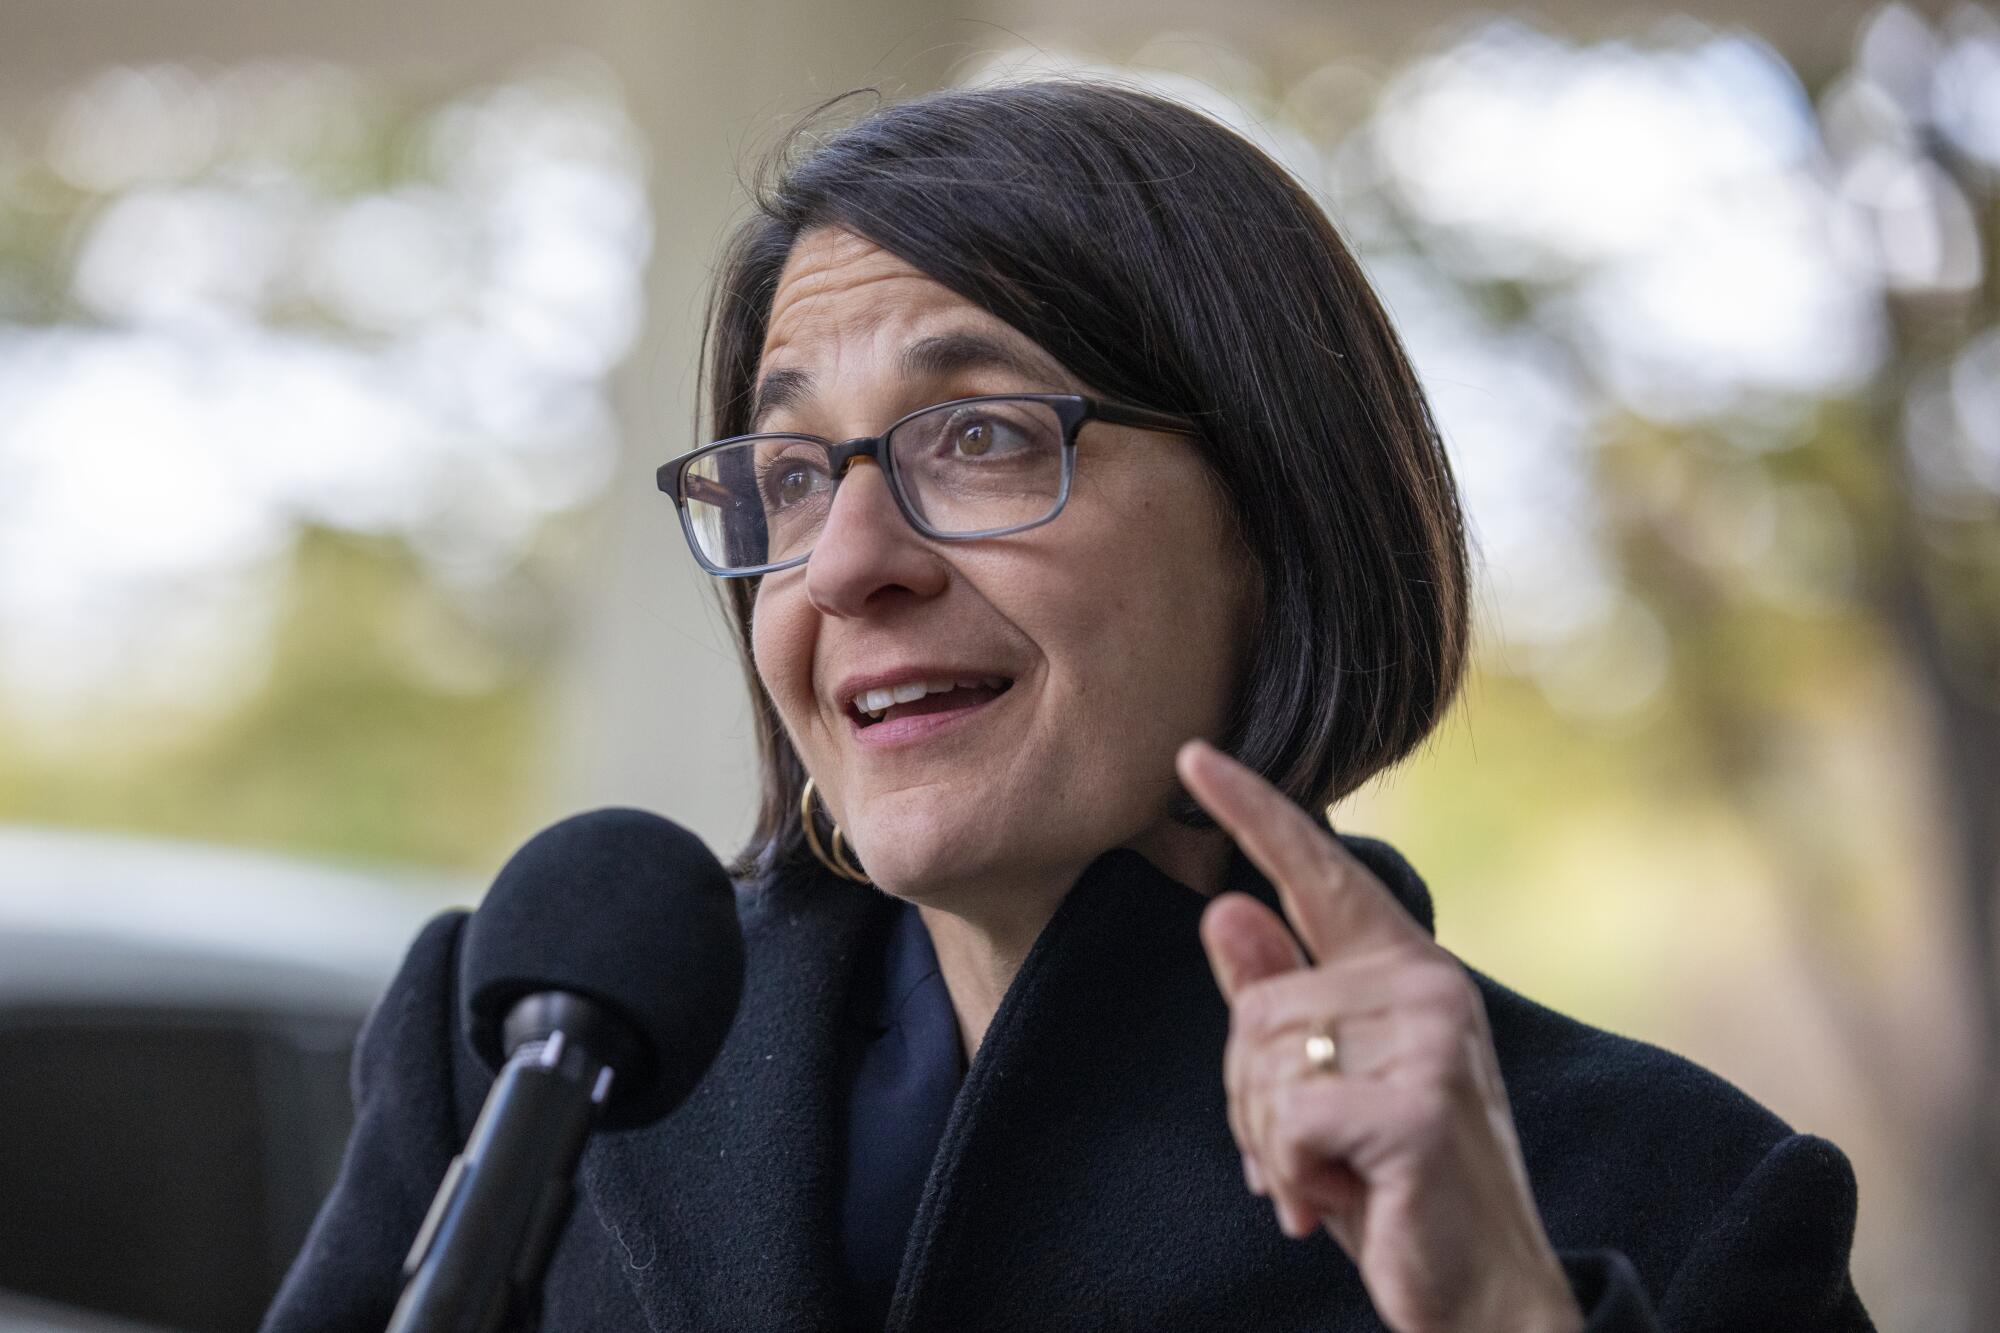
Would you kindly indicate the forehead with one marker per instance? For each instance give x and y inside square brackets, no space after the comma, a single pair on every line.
[843,289]
[844,304]
[836,286]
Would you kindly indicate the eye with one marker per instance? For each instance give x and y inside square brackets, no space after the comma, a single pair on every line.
[980,435]
[974,438]
[794,484]
[791,481]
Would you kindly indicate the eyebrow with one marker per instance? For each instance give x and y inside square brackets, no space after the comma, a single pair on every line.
[934,357]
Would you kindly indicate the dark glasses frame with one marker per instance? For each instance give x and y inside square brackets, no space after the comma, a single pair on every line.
[1072,410]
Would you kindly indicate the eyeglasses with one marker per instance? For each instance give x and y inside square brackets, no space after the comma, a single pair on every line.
[959,471]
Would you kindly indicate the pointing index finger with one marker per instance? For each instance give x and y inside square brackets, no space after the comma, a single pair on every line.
[1336,904]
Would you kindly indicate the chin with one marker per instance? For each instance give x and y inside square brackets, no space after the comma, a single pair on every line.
[919,864]
[914,850]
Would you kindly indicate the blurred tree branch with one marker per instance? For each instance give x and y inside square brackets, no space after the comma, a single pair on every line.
[1750,670]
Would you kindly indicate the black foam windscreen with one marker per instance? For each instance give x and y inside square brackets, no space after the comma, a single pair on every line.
[626,909]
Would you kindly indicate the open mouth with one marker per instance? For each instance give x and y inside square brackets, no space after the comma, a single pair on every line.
[918,697]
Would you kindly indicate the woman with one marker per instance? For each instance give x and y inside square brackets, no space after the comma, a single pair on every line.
[1061,437]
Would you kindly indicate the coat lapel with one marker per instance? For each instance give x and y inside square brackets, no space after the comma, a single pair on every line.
[1086,1166]
[724,1212]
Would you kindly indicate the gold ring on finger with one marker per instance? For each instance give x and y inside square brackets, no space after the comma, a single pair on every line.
[1322,1051]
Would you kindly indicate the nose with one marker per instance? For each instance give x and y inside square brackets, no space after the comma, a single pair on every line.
[867,556]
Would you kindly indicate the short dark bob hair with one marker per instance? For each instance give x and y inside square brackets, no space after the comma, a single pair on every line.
[1165,261]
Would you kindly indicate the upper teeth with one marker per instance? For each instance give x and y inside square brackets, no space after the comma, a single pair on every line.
[877,702]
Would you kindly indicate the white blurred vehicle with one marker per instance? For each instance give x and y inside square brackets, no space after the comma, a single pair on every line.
[176,1024]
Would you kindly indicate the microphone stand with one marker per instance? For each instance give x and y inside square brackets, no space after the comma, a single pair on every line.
[479,1258]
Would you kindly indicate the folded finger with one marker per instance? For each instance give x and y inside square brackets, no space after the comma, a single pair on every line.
[1336,902]
[1246,942]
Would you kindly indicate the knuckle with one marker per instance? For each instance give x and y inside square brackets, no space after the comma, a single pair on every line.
[1424,1054]
[1288,1147]
[1293,1132]
[1446,990]
[1295,1101]
[1256,1006]
[1333,867]
[1261,1074]
[1275,1106]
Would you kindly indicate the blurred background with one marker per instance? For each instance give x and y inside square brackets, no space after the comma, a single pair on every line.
[338,345]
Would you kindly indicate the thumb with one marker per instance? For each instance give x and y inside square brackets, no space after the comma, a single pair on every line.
[1246,942]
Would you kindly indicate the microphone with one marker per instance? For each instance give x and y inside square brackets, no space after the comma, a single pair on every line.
[598,979]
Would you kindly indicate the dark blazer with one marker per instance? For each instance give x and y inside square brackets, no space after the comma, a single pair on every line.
[1086,1178]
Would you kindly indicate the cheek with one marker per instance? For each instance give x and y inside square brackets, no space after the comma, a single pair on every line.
[1154,632]
[781,647]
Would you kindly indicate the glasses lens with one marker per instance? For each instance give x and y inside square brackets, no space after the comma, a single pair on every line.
[758,502]
[975,467]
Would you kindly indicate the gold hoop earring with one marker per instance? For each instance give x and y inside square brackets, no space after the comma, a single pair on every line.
[838,861]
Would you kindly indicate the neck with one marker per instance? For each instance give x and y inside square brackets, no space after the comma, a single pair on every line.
[981,940]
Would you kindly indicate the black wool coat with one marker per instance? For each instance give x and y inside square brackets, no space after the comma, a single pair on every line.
[1086,1178]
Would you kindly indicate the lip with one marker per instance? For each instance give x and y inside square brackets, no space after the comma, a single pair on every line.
[902,730]
[844,693]
[905,730]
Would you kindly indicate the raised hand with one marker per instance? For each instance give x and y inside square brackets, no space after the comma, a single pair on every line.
[1401,1144]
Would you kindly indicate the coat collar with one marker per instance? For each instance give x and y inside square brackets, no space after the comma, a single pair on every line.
[723,1213]
[727,1210]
